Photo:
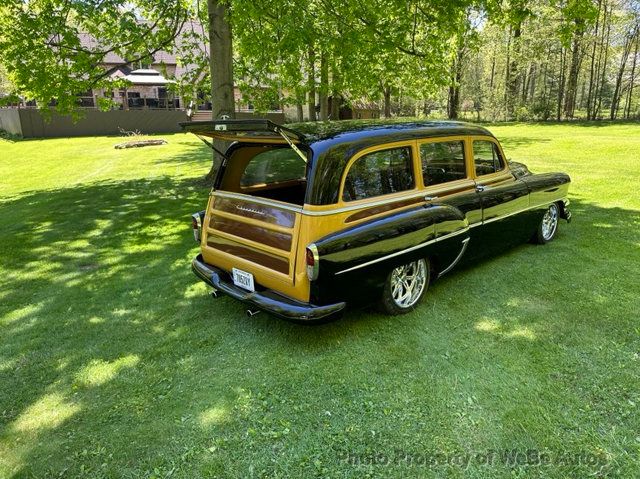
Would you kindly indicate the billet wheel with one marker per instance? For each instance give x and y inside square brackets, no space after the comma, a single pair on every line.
[548,226]
[405,286]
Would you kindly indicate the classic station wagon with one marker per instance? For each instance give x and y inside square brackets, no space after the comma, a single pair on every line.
[300,223]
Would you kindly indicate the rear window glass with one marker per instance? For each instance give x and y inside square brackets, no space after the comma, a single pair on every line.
[273,166]
[379,173]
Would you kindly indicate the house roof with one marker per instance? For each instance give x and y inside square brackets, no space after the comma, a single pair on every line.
[189,30]
[147,76]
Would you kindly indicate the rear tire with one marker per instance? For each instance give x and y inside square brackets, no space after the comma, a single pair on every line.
[405,286]
[548,226]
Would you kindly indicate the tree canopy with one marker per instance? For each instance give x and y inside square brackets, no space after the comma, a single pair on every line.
[54,50]
[497,59]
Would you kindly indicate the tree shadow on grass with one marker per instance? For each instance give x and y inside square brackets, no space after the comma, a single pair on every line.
[115,362]
[517,141]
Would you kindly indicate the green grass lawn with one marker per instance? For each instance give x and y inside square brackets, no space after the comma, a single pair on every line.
[114,361]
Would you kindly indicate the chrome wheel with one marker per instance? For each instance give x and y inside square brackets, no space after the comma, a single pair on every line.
[408,283]
[550,222]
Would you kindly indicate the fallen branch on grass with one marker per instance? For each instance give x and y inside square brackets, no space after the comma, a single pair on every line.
[139,143]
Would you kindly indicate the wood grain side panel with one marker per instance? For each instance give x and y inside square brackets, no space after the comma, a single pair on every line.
[366,213]
[275,263]
[252,232]
[256,211]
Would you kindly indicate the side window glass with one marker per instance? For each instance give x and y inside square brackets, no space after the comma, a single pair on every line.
[379,173]
[442,161]
[486,157]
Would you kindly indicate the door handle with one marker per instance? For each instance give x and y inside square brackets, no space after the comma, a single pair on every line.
[430,198]
[481,188]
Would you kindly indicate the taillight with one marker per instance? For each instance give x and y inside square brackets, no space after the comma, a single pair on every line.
[196,224]
[313,262]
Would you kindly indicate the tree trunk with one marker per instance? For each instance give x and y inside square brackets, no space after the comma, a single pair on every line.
[592,75]
[299,111]
[387,101]
[453,103]
[561,84]
[221,69]
[574,70]
[615,100]
[324,87]
[336,97]
[605,47]
[334,111]
[533,77]
[311,84]
[627,109]
[513,82]
[493,71]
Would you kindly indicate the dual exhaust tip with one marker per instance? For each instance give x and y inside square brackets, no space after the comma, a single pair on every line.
[249,312]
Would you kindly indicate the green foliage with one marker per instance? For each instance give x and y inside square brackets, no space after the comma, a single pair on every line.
[47,60]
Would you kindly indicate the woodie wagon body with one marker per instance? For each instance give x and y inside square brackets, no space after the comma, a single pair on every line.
[302,222]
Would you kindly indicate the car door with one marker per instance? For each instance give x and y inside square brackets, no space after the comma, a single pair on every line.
[448,178]
[502,196]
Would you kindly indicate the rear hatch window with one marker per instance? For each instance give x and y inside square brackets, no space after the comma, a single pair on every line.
[274,172]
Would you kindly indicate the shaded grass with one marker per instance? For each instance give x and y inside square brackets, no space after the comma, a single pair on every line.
[115,363]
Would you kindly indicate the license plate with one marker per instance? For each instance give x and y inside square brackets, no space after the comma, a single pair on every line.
[243,279]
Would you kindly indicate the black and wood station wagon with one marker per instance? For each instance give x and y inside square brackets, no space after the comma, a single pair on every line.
[302,222]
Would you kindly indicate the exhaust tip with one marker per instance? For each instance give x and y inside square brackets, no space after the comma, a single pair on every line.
[214,294]
[252,312]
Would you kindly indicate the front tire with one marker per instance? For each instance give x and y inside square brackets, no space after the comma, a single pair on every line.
[548,226]
[405,286]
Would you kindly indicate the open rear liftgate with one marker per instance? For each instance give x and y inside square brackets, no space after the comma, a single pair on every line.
[256,234]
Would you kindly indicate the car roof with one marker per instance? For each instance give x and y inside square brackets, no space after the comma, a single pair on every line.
[352,130]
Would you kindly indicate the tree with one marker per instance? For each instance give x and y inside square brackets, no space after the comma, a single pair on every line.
[220,71]
[50,58]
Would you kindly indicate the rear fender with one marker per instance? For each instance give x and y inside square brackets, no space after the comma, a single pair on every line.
[355,262]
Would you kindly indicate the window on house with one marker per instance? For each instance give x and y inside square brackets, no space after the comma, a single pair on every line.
[379,173]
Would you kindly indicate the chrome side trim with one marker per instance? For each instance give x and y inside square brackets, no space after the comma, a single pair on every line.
[413,248]
[406,250]
[465,243]
[361,206]
[257,199]
[498,218]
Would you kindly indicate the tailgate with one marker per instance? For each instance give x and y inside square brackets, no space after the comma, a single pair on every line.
[255,235]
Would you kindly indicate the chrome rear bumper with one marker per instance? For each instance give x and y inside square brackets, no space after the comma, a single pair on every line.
[266,300]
